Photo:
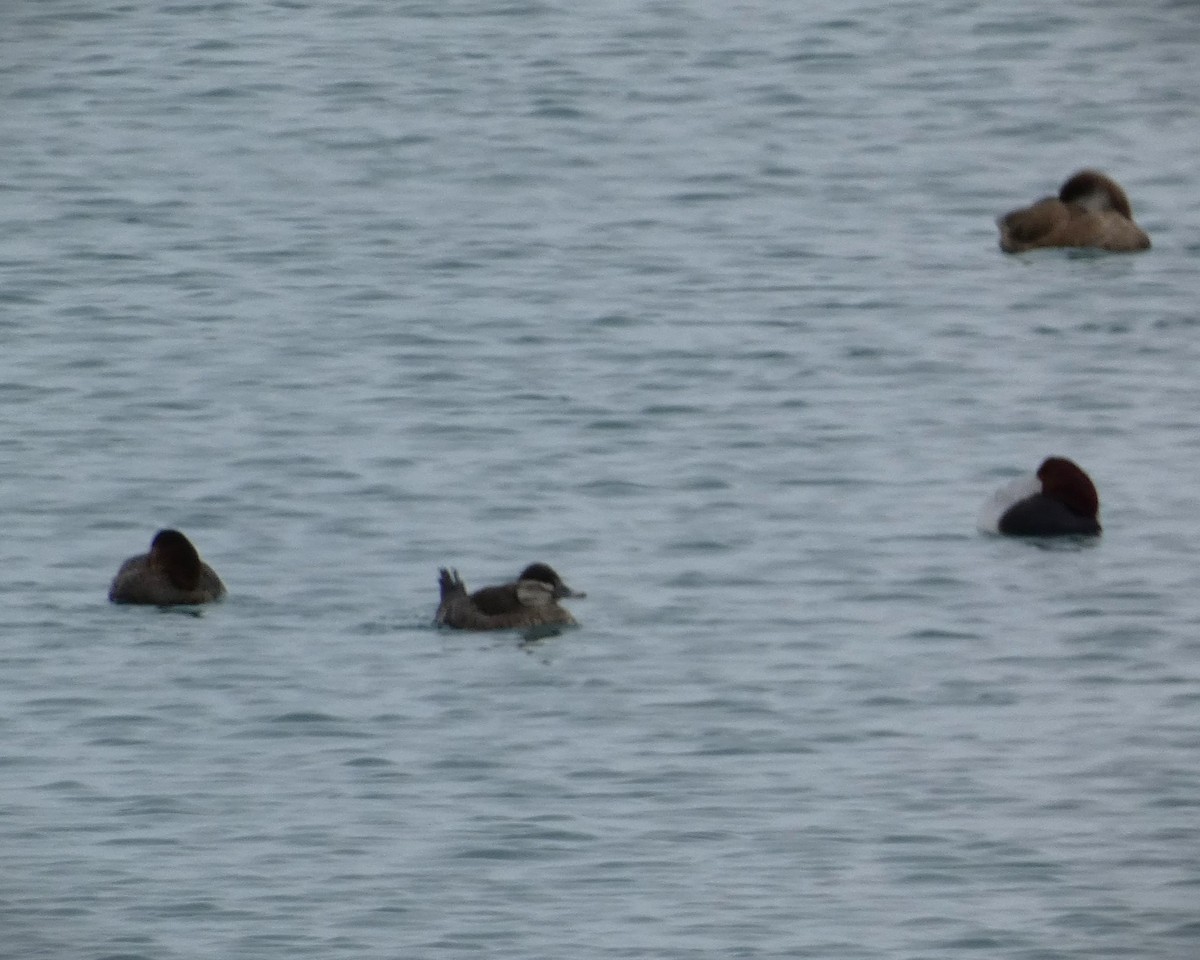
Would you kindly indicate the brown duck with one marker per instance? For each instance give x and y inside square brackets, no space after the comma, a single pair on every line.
[1091,210]
[171,573]
[529,601]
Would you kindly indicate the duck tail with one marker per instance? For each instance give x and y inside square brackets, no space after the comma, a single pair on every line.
[451,584]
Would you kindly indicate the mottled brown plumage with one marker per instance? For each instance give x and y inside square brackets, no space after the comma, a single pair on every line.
[1091,210]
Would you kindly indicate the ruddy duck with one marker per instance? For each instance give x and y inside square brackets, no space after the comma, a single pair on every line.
[1060,501]
[1091,210]
[529,601]
[171,573]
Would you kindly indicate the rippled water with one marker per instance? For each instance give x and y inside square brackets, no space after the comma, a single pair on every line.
[700,303]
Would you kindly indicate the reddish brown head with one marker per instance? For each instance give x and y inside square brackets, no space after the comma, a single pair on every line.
[1064,481]
[173,554]
[1094,190]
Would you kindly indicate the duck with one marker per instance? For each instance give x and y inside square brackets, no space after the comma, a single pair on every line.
[1091,210]
[1060,500]
[529,601]
[171,574]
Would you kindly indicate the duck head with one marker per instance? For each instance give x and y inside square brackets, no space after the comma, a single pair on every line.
[545,577]
[173,554]
[1094,191]
[1064,480]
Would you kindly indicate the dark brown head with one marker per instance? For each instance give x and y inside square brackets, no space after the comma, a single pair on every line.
[1097,192]
[173,554]
[1064,481]
[544,573]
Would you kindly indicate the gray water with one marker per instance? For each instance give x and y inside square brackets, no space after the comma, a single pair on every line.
[700,303]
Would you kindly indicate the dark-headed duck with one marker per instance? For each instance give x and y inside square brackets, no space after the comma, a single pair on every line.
[1091,210]
[1060,501]
[529,601]
[171,573]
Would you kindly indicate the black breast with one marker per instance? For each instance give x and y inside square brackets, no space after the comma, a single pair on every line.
[1041,516]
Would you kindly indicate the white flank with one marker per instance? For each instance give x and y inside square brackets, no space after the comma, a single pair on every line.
[1012,492]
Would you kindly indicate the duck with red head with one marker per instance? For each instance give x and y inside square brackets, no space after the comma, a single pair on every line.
[171,574]
[1091,210]
[1060,501]
[529,601]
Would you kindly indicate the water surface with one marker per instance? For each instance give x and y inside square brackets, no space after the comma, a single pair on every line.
[700,303]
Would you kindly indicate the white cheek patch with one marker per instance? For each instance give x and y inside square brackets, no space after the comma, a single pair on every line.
[534,593]
[1012,492]
[1098,201]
